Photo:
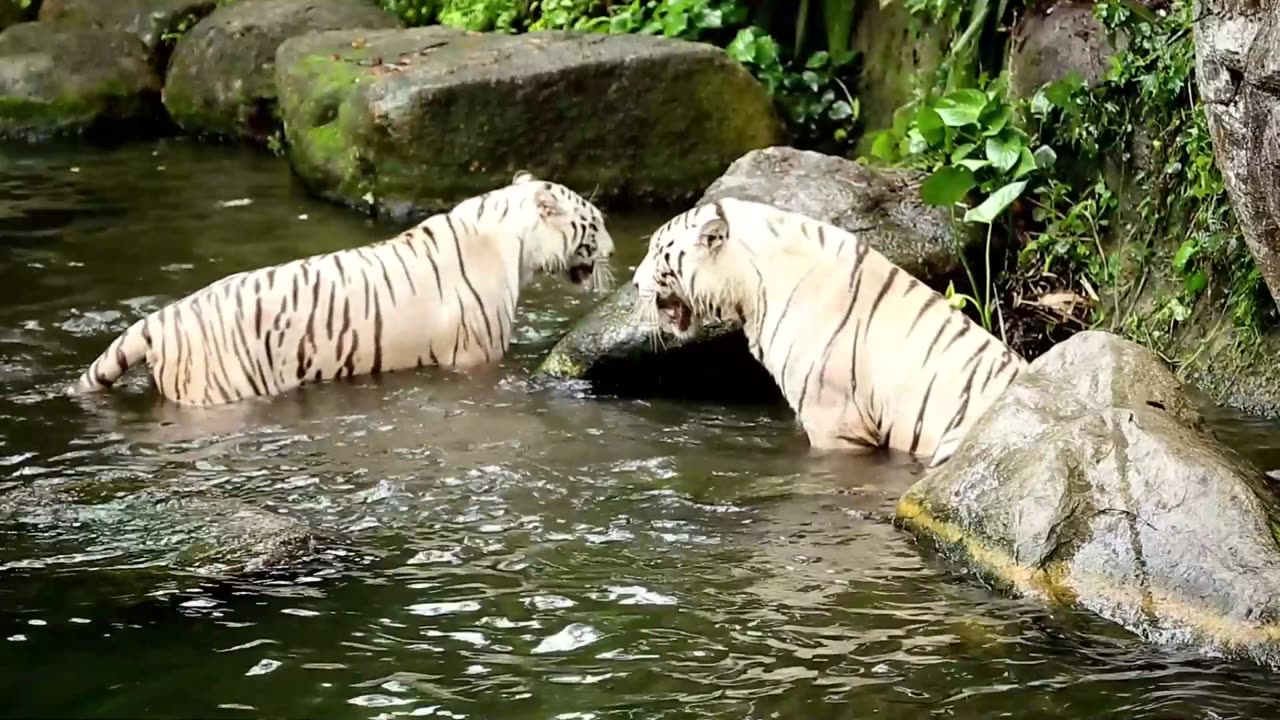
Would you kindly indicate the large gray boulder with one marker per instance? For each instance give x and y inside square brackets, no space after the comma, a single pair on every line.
[175,530]
[1238,73]
[221,79]
[1055,39]
[61,81]
[412,121]
[155,22]
[616,354]
[1090,483]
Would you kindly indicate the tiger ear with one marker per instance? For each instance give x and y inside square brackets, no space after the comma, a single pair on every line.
[522,176]
[546,203]
[713,234]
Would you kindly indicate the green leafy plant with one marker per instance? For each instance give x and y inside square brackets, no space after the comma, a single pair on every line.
[815,101]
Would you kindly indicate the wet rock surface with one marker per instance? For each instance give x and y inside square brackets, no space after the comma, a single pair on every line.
[1238,75]
[221,79]
[1091,483]
[155,22]
[62,81]
[177,531]
[412,121]
[618,355]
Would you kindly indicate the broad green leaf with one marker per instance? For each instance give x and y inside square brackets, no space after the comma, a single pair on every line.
[882,145]
[743,46]
[962,151]
[1186,251]
[840,110]
[930,125]
[1045,157]
[1003,152]
[1197,282]
[817,60]
[1026,163]
[994,118]
[974,165]
[1040,104]
[967,97]
[991,208]
[947,186]
[961,107]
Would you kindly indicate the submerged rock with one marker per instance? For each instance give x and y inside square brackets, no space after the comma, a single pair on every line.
[153,21]
[616,354]
[208,536]
[62,81]
[412,121]
[1091,483]
[1238,74]
[221,79]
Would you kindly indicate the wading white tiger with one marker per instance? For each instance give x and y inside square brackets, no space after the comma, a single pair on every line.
[442,293]
[866,355]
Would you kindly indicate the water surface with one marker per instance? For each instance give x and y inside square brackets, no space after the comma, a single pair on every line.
[500,551]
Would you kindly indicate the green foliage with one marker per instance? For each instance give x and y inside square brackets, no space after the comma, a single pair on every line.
[813,99]
[984,153]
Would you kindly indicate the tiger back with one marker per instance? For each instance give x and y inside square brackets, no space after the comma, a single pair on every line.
[443,293]
[865,354]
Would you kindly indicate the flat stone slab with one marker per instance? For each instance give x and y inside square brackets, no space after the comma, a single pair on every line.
[63,81]
[1091,484]
[617,355]
[413,121]
[221,79]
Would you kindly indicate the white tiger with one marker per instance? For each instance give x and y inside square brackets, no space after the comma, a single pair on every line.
[442,293]
[865,354]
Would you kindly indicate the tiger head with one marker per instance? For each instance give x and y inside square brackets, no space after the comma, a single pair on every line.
[692,273]
[561,232]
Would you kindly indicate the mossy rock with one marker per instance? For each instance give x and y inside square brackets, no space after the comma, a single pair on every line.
[1091,483]
[155,22]
[221,79]
[416,120]
[617,355]
[61,81]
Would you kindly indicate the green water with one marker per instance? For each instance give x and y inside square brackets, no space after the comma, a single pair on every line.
[497,550]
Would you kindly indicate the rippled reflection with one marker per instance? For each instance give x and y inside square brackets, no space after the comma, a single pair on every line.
[483,549]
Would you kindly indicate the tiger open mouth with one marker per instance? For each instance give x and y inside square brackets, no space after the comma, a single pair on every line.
[675,311]
[581,274]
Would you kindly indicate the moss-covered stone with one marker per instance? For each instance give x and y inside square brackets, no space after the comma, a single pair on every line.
[429,116]
[155,22]
[616,354]
[221,79]
[1091,483]
[62,81]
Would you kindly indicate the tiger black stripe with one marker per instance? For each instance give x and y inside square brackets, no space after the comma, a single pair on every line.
[924,405]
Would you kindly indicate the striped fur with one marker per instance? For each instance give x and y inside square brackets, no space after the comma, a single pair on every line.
[442,293]
[866,354]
